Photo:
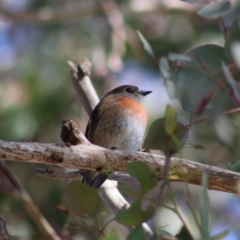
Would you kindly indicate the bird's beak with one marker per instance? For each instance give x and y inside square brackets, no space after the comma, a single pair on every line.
[144,93]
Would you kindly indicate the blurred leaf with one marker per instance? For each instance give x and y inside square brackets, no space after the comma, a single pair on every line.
[220,236]
[234,165]
[184,234]
[113,235]
[178,57]
[215,10]
[145,44]
[232,82]
[233,35]
[196,88]
[225,130]
[137,233]
[166,74]
[204,206]
[80,199]
[162,233]
[158,139]
[170,119]
[146,177]
[134,215]
[235,50]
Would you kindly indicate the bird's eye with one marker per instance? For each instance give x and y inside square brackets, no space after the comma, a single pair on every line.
[129,90]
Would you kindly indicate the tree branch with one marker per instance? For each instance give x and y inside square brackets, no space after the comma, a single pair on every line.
[92,157]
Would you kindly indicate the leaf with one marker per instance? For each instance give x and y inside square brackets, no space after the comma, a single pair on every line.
[158,139]
[204,206]
[137,233]
[178,57]
[162,233]
[80,199]
[225,130]
[234,165]
[232,82]
[215,10]
[233,35]
[170,119]
[194,85]
[167,76]
[146,177]
[134,215]
[235,50]
[145,44]
[220,236]
[184,234]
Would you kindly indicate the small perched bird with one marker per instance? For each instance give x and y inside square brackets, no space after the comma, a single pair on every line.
[118,122]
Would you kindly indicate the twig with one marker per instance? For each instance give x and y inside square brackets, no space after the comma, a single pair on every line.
[19,192]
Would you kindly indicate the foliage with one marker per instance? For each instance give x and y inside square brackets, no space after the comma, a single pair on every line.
[200,65]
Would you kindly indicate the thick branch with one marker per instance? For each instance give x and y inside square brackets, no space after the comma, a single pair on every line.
[89,156]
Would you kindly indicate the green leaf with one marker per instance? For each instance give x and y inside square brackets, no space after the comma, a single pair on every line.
[184,234]
[196,89]
[170,119]
[215,10]
[80,199]
[233,35]
[145,44]
[162,233]
[235,50]
[225,130]
[220,235]
[204,206]
[167,76]
[232,82]
[137,233]
[146,177]
[234,165]
[134,215]
[158,139]
[178,57]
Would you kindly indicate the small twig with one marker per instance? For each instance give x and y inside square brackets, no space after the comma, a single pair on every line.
[224,28]
[83,85]
[177,211]
[3,230]
[44,172]
[19,192]
[188,199]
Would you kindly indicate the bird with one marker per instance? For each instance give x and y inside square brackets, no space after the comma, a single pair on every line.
[117,122]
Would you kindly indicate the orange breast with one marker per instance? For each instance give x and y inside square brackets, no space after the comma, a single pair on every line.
[134,107]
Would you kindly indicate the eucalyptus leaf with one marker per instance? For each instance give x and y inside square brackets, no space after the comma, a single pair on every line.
[233,35]
[234,165]
[225,130]
[145,44]
[158,139]
[166,72]
[137,233]
[80,199]
[232,82]
[146,177]
[235,50]
[196,88]
[178,57]
[220,236]
[134,215]
[215,9]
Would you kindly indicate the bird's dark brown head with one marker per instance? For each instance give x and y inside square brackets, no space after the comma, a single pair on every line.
[129,91]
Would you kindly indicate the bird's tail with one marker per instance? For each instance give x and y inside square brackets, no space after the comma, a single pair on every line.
[94,180]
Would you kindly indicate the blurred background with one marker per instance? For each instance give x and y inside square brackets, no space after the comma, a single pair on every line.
[37,38]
